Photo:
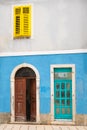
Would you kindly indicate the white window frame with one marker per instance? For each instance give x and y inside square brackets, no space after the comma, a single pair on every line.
[63,121]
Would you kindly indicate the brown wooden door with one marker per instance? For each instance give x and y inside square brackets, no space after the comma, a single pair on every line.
[33,100]
[20,99]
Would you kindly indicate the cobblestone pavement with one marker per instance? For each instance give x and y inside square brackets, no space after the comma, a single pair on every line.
[40,127]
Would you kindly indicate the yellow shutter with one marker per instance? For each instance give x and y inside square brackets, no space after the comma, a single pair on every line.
[17,22]
[22,21]
[26,21]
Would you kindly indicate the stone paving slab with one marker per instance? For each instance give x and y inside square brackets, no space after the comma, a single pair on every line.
[24,127]
[48,127]
[40,127]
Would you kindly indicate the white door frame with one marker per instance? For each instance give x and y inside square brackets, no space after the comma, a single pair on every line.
[63,121]
[13,90]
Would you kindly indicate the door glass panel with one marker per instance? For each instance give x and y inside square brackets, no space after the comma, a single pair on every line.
[63,85]
[68,110]
[68,94]
[63,94]
[68,85]
[57,102]
[63,111]
[68,102]
[62,75]
[58,94]
[57,110]
[63,102]
[57,86]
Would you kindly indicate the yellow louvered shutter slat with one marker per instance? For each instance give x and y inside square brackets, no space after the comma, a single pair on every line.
[26,21]
[17,22]
[17,31]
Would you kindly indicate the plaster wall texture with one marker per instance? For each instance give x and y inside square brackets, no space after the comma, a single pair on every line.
[42,64]
[56,25]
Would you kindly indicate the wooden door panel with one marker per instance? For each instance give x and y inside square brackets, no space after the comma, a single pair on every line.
[20,99]
[33,100]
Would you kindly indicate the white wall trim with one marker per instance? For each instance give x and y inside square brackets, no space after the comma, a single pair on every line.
[73,93]
[2,54]
[13,92]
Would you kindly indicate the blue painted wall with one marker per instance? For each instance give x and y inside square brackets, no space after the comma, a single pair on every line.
[42,63]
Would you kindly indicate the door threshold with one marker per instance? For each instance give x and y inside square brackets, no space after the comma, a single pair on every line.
[26,123]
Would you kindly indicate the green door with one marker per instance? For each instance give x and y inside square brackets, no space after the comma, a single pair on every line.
[63,93]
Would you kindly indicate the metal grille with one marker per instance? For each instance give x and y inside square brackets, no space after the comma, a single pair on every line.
[25,72]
